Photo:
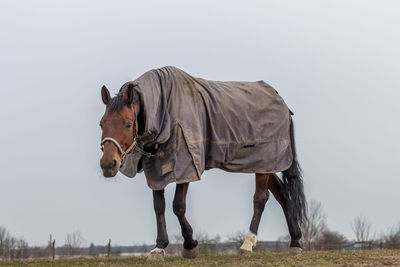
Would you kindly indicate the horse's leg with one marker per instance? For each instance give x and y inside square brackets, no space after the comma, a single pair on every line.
[260,198]
[190,248]
[157,254]
[277,187]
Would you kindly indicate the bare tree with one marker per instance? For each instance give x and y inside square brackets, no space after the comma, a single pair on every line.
[284,238]
[93,250]
[22,249]
[361,228]
[391,239]
[330,240]
[10,246]
[237,237]
[178,239]
[3,236]
[207,244]
[315,224]
[73,242]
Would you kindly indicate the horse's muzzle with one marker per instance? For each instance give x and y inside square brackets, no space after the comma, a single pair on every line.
[110,168]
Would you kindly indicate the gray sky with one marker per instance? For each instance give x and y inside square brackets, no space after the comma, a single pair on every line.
[336,63]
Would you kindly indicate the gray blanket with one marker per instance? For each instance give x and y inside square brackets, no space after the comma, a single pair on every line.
[194,124]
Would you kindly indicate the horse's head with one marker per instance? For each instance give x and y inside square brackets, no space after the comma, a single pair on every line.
[118,126]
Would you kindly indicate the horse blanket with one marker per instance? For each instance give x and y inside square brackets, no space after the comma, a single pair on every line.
[193,124]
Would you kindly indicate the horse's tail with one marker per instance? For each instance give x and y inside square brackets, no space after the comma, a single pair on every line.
[293,180]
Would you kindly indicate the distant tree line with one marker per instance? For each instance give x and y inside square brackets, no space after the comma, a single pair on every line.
[12,247]
[316,236]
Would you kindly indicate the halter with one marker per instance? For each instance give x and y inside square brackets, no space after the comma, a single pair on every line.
[115,142]
[121,151]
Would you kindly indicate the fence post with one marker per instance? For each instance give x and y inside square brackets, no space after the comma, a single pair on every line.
[53,249]
[109,248]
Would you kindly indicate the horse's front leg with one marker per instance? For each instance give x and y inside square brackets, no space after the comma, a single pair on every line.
[260,198]
[190,248]
[158,253]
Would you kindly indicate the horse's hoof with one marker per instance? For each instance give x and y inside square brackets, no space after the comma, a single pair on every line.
[295,251]
[244,252]
[249,243]
[156,254]
[190,253]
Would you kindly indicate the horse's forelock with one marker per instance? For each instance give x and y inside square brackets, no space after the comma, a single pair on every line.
[116,103]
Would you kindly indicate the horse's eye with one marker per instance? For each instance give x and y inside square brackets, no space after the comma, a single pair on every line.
[128,126]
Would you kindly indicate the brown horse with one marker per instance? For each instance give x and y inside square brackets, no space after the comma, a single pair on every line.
[125,121]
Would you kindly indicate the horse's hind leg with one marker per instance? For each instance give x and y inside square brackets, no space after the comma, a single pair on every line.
[260,198]
[277,187]
[190,248]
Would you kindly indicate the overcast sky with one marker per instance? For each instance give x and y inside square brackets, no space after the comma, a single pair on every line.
[336,64]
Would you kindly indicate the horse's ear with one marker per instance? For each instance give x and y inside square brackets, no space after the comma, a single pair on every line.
[105,95]
[130,93]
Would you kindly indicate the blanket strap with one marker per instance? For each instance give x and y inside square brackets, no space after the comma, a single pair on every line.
[138,148]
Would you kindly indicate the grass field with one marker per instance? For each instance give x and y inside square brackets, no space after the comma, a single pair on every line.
[314,258]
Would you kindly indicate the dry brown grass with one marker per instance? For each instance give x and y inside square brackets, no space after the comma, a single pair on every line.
[313,258]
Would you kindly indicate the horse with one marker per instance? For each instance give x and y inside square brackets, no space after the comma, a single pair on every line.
[130,144]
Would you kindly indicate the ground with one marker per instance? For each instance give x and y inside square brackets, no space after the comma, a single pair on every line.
[314,258]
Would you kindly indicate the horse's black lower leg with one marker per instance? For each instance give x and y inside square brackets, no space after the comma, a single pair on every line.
[179,207]
[277,187]
[159,208]
[261,196]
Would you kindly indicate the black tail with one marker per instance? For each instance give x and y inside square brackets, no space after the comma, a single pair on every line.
[292,177]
